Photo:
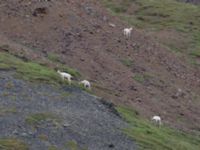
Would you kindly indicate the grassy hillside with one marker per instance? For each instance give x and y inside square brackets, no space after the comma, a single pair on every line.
[152,137]
[32,71]
[10,144]
[154,16]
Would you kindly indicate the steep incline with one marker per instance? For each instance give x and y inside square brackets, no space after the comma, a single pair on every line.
[46,117]
[138,71]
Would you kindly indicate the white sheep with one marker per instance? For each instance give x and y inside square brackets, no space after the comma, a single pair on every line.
[86,84]
[157,120]
[65,75]
[127,32]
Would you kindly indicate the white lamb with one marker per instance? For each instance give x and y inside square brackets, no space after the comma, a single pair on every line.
[127,32]
[157,120]
[65,75]
[86,84]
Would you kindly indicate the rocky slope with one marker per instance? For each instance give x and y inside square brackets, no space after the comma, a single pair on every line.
[46,117]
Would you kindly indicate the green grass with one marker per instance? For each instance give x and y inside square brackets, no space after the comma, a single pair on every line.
[53,57]
[52,148]
[72,145]
[158,15]
[151,137]
[4,66]
[5,111]
[69,70]
[12,144]
[195,53]
[141,78]
[127,62]
[33,71]
[35,119]
[56,59]
[28,70]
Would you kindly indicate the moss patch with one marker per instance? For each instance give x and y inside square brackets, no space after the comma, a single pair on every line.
[127,62]
[141,78]
[53,57]
[195,53]
[72,145]
[5,111]
[52,148]
[36,119]
[12,144]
